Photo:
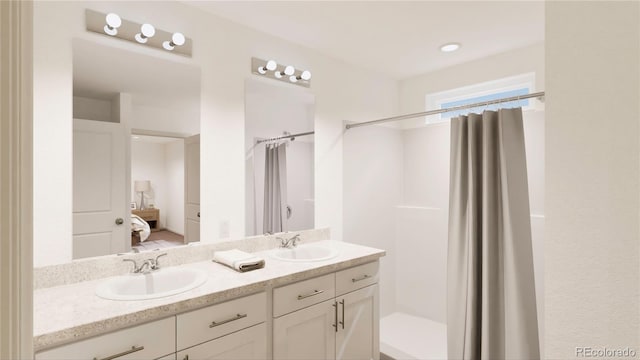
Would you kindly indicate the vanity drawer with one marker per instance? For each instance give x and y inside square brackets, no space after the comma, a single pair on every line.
[212,322]
[357,277]
[302,294]
[148,341]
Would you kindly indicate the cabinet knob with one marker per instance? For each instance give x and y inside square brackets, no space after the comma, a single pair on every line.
[119,221]
[198,213]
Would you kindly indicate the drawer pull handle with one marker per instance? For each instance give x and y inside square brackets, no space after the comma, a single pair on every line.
[314,293]
[127,352]
[237,317]
[363,277]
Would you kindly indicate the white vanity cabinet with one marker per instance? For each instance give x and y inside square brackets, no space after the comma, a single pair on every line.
[152,340]
[247,344]
[307,325]
[231,330]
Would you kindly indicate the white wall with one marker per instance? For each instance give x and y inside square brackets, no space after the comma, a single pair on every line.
[92,109]
[223,51]
[592,178]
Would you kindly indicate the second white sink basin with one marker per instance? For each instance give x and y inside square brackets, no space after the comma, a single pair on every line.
[305,253]
[160,283]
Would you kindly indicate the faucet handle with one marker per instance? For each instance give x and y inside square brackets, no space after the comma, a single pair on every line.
[295,239]
[135,265]
[156,263]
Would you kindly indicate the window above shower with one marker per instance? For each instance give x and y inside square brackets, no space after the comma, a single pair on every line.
[486,91]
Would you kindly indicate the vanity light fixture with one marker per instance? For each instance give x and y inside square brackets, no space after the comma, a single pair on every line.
[113,23]
[146,31]
[177,39]
[288,74]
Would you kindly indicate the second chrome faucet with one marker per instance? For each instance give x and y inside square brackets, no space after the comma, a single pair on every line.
[147,265]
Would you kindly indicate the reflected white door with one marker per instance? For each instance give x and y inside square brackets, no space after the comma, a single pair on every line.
[100,212]
[192,188]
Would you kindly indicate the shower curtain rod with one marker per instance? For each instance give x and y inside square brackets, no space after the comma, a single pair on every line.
[539,95]
[292,136]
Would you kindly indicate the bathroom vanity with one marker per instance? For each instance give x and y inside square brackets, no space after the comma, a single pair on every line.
[288,310]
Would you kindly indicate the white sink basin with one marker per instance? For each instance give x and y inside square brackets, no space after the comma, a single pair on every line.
[160,283]
[305,253]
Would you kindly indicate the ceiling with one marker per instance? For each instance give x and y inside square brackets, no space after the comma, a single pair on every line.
[397,38]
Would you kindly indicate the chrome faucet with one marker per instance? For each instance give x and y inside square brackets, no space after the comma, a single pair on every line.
[290,242]
[147,265]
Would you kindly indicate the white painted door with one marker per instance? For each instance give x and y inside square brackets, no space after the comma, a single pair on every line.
[247,344]
[192,188]
[357,336]
[309,333]
[100,212]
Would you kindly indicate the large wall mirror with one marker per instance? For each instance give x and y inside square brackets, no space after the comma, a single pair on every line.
[279,186]
[136,151]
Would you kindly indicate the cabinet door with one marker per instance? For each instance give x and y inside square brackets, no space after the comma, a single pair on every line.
[248,344]
[308,333]
[358,320]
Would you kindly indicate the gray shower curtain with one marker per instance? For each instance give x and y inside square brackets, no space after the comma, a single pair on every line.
[275,189]
[491,300]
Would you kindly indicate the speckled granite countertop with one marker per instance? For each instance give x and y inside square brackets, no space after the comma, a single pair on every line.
[67,313]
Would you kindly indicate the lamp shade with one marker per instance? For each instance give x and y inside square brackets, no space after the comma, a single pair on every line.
[142,185]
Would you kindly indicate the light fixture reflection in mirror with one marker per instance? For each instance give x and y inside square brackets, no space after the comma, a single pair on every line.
[177,39]
[113,23]
[146,31]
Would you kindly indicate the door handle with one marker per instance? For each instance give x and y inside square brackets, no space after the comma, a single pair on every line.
[335,312]
[119,221]
[342,322]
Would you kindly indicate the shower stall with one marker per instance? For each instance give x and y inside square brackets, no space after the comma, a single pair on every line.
[407,167]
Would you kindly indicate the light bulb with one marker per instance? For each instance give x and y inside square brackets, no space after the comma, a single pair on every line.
[289,70]
[278,74]
[293,79]
[146,31]
[178,39]
[272,65]
[113,23]
[262,70]
[306,75]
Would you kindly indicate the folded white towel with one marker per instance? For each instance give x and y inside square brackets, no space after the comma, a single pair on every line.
[238,260]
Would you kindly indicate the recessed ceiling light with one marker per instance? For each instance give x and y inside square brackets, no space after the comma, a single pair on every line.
[449,47]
